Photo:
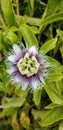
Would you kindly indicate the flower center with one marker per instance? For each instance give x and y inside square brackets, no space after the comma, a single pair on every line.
[28,66]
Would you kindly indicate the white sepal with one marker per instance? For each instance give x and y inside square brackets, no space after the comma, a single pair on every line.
[16,49]
[24,85]
[34,84]
[12,58]
[33,50]
[11,70]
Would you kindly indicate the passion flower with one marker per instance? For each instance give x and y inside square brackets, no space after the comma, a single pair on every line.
[26,67]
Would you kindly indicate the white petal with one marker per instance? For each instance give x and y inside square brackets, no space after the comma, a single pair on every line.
[11,70]
[33,50]
[16,49]
[34,84]
[12,58]
[24,85]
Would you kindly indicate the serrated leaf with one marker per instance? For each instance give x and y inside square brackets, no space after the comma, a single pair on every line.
[59,42]
[60,69]
[30,20]
[28,36]
[59,85]
[52,6]
[53,116]
[15,101]
[61,50]
[52,18]
[1,43]
[51,106]
[60,33]
[49,45]
[54,63]
[37,96]
[7,112]
[25,120]
[35,30]
[61,126]
[10,36]
[14,122]
[8,12]
[39,114]
[3,88]
[57,76]
[55,97]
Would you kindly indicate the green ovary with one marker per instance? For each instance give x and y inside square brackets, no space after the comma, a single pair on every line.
[28,66]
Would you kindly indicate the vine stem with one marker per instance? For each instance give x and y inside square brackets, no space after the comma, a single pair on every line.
[17,10]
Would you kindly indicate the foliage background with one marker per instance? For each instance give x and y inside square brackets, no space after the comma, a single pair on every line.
[42,110]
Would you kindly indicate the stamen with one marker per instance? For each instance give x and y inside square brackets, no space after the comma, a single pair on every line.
[28,66]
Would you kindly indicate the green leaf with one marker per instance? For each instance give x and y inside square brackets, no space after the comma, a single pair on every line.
[54,63]
[52,6]
[37,96]
[3,88]
[61,126]
[39,114]
[10,36]
[59,42]
[35,30]
[52,18]
[28,36]
[14,121]
[7,112]
[53,116]
[57,76]
[61,50]
[49,45]
[30,20]
[26,108]
[1,44]
[60,33]
[8,12]
[61,5]
[15,101]
[59,85]
[25,120]
[32,4]
[51,106]
[53,94]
